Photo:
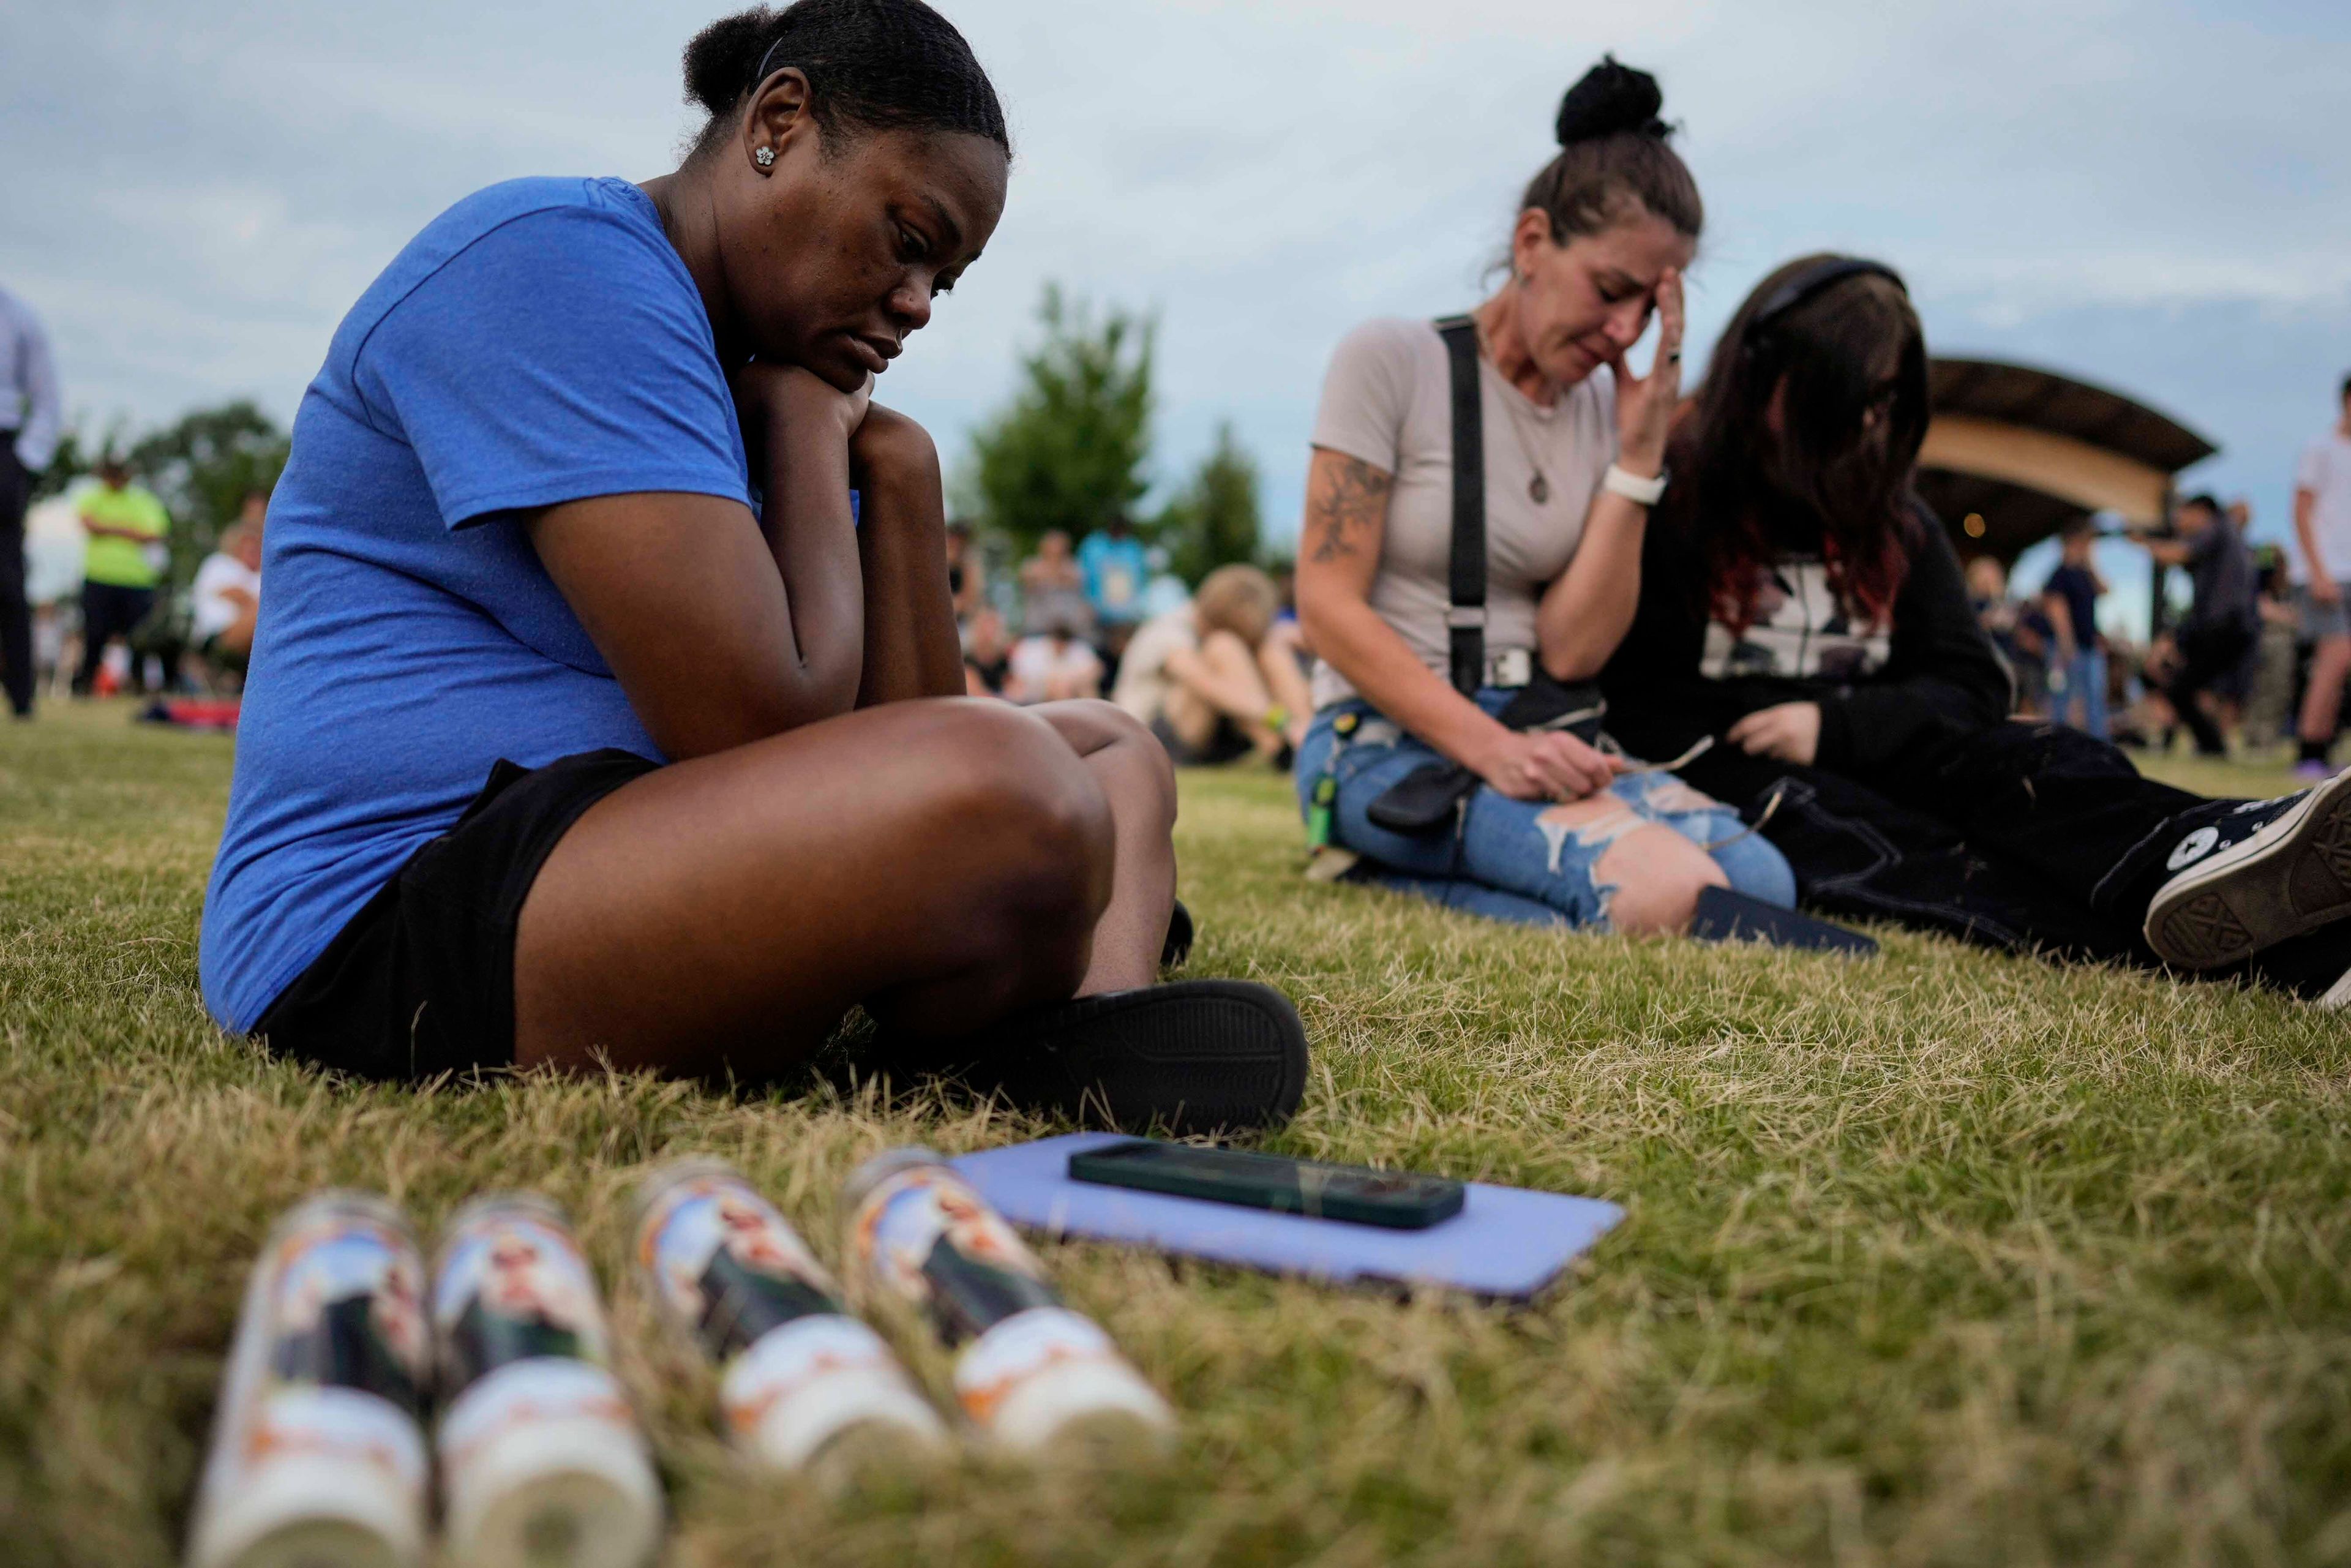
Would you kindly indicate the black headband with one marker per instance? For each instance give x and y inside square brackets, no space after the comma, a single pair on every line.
[1821,274]
[766,62]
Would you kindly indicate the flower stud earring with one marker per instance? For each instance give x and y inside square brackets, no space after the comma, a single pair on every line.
[764,157]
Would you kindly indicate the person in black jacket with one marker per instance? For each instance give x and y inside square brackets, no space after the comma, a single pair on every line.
[1803,618]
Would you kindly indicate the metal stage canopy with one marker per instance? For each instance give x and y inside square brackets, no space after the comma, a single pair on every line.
[2014,453]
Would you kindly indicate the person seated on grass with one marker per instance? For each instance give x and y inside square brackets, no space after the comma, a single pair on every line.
[226,595]
[1054,587]
[1053,663]
[967,572]
[1804,611]
[2223,624]
[987,652]
[557,752]
[1550,829]
[1211,680]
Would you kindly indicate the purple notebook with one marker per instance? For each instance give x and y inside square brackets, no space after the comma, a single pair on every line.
[1505,1241]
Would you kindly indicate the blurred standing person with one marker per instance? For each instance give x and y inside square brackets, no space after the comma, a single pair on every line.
[2078,663]
[119,572]
[2321,527]
[1116,567]
[2269,699]
[2222,625]
[30,417]
[2003,620]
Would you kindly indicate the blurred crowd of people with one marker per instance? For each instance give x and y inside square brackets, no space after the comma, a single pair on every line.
[127,627]
[2258,656]
[1218,674]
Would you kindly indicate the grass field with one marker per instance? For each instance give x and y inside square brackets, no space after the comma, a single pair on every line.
[1942,1257]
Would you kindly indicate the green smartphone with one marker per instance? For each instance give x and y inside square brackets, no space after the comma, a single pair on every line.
[1397,1200]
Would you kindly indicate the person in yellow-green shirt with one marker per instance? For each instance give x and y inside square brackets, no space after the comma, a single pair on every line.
[124,522]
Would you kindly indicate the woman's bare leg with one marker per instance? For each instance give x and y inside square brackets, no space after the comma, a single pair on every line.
[912,649]
[1191,716]
[943,862]
[1133,775]
[1237,671]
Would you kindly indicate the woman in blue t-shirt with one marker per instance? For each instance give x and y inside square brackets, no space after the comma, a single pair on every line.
[590,719]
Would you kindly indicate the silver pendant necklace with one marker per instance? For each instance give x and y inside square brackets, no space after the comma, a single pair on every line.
[1538,488]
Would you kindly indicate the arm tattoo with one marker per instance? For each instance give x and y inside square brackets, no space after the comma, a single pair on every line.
[1349,495]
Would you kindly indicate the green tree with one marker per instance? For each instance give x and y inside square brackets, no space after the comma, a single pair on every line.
[1069,451]
[201,469]
[1213,520]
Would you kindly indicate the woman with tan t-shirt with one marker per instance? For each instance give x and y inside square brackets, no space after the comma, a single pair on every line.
[1554,832]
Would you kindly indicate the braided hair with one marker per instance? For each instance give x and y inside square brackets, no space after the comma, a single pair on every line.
[872,65]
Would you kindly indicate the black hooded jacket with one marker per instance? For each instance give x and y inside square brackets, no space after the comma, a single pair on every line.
[1680,675]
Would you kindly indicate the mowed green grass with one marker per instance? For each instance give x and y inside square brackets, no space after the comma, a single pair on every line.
[1943,1257]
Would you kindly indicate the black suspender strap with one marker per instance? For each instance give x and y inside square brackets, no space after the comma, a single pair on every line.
[1466,620]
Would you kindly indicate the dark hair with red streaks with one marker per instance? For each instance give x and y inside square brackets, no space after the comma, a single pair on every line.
[1846,370]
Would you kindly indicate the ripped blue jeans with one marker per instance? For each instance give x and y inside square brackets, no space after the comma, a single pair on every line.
[1514,860]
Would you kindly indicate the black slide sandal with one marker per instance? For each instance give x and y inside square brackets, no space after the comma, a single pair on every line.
[1193,1056]
[1176,950]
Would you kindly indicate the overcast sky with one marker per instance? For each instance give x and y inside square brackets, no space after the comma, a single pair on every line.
[2153,194]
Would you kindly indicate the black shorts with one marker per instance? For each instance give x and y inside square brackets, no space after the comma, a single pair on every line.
[421,982]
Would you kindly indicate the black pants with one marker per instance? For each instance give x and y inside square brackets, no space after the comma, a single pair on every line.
[15,615]
[109,611]
[2026,836]
[2206,655]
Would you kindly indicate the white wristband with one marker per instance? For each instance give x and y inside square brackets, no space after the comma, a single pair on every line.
[1632,486]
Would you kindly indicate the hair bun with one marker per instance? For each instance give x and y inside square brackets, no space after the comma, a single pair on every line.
[1611,99]
[722,57]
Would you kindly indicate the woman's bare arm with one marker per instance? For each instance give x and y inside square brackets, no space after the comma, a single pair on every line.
[1242,698]
[1346,518]
[912,649]
[1582,617]
[719,634]
[1339,554]
[1585,612]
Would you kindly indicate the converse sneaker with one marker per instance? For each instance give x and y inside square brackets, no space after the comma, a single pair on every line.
[2255,876]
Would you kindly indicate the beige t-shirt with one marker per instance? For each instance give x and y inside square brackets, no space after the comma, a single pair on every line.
[1143,678]
[1388,401]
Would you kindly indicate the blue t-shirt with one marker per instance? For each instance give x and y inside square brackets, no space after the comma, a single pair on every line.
[540,341]
[1117,570]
